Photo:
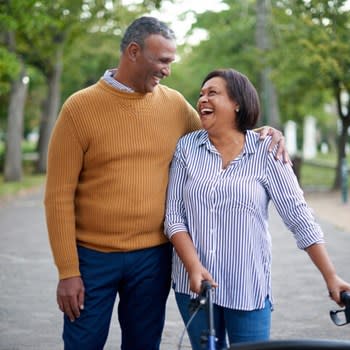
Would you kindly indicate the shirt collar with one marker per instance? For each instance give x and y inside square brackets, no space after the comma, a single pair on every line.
[108,77]
[251,141]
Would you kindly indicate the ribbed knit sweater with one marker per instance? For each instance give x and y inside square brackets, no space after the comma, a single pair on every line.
[107,173]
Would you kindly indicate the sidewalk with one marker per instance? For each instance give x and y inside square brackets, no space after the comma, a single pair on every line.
[30,319]
[330,207]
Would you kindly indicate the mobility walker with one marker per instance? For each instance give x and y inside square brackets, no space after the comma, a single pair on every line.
[205,300]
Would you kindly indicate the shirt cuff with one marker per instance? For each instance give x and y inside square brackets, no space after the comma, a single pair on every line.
[175,228]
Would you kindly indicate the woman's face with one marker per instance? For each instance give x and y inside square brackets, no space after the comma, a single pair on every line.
[216,109]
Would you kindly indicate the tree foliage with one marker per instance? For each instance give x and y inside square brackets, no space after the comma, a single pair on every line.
[59,41]
[230,43]
[309,58]
[309,53]
[313,39]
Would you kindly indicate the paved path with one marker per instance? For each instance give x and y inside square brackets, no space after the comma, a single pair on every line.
[30,320]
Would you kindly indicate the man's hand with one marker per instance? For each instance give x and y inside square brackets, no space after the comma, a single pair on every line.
[70,297]
[277,139]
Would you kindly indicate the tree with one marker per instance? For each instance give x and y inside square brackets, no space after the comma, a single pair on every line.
[44,32]
[270,109]
[69,24]
[229,43]
[242,43]
[13,154]
[17,86]
[317,33]
[62,23]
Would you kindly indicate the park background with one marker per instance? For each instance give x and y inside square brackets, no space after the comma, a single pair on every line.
[296,53]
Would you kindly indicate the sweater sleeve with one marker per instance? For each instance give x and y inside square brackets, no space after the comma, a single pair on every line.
[190,114]
[194,121]
[65,160]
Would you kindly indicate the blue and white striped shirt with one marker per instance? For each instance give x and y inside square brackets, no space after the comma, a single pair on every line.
[226,213]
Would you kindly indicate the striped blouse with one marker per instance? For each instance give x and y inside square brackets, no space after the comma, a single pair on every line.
[226,213]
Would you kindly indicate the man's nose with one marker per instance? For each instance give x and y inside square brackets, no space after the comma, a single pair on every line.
[166,71]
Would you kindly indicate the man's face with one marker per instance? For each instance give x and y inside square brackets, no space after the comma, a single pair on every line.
[153,62]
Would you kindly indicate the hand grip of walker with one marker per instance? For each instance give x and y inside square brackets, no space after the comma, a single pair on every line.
[205,286]
[203,294]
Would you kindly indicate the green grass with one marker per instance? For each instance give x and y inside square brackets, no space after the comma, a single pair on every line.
[11,188]
[316,177]
[27,147]
[29,180]
[320,177]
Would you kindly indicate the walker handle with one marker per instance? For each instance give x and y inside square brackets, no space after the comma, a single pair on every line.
[345,298]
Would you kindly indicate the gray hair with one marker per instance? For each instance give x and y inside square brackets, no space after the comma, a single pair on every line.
[142,28]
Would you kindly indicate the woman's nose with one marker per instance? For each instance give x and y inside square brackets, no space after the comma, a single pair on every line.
[203,98]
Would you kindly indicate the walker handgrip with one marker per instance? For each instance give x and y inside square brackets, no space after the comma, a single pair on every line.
[205,286]
[345,299]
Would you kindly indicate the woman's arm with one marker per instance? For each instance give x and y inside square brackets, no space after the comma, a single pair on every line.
[290,203]
[319,255]
[186,251]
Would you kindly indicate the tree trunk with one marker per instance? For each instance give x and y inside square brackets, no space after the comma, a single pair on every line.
[269,99]
[13,154]
[343,108]
[50,111]
[341,152]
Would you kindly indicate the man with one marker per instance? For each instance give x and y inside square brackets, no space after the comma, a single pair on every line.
[107,175]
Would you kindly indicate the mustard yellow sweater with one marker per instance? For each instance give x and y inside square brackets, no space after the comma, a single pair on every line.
[107,174]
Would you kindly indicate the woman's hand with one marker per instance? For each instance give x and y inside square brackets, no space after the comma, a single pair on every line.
[335,286]
[197,275]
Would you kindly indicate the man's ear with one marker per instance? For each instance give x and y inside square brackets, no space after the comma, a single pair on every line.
[133,50]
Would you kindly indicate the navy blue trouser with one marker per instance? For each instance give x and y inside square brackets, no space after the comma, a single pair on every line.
[142,281]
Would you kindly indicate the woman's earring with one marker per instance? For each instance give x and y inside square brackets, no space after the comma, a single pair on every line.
[237,109]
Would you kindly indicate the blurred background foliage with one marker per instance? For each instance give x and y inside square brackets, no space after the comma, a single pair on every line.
[296,52]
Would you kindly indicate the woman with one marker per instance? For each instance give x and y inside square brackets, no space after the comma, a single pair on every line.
[221,182]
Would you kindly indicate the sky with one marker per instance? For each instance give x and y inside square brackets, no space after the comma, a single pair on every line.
[169,13]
